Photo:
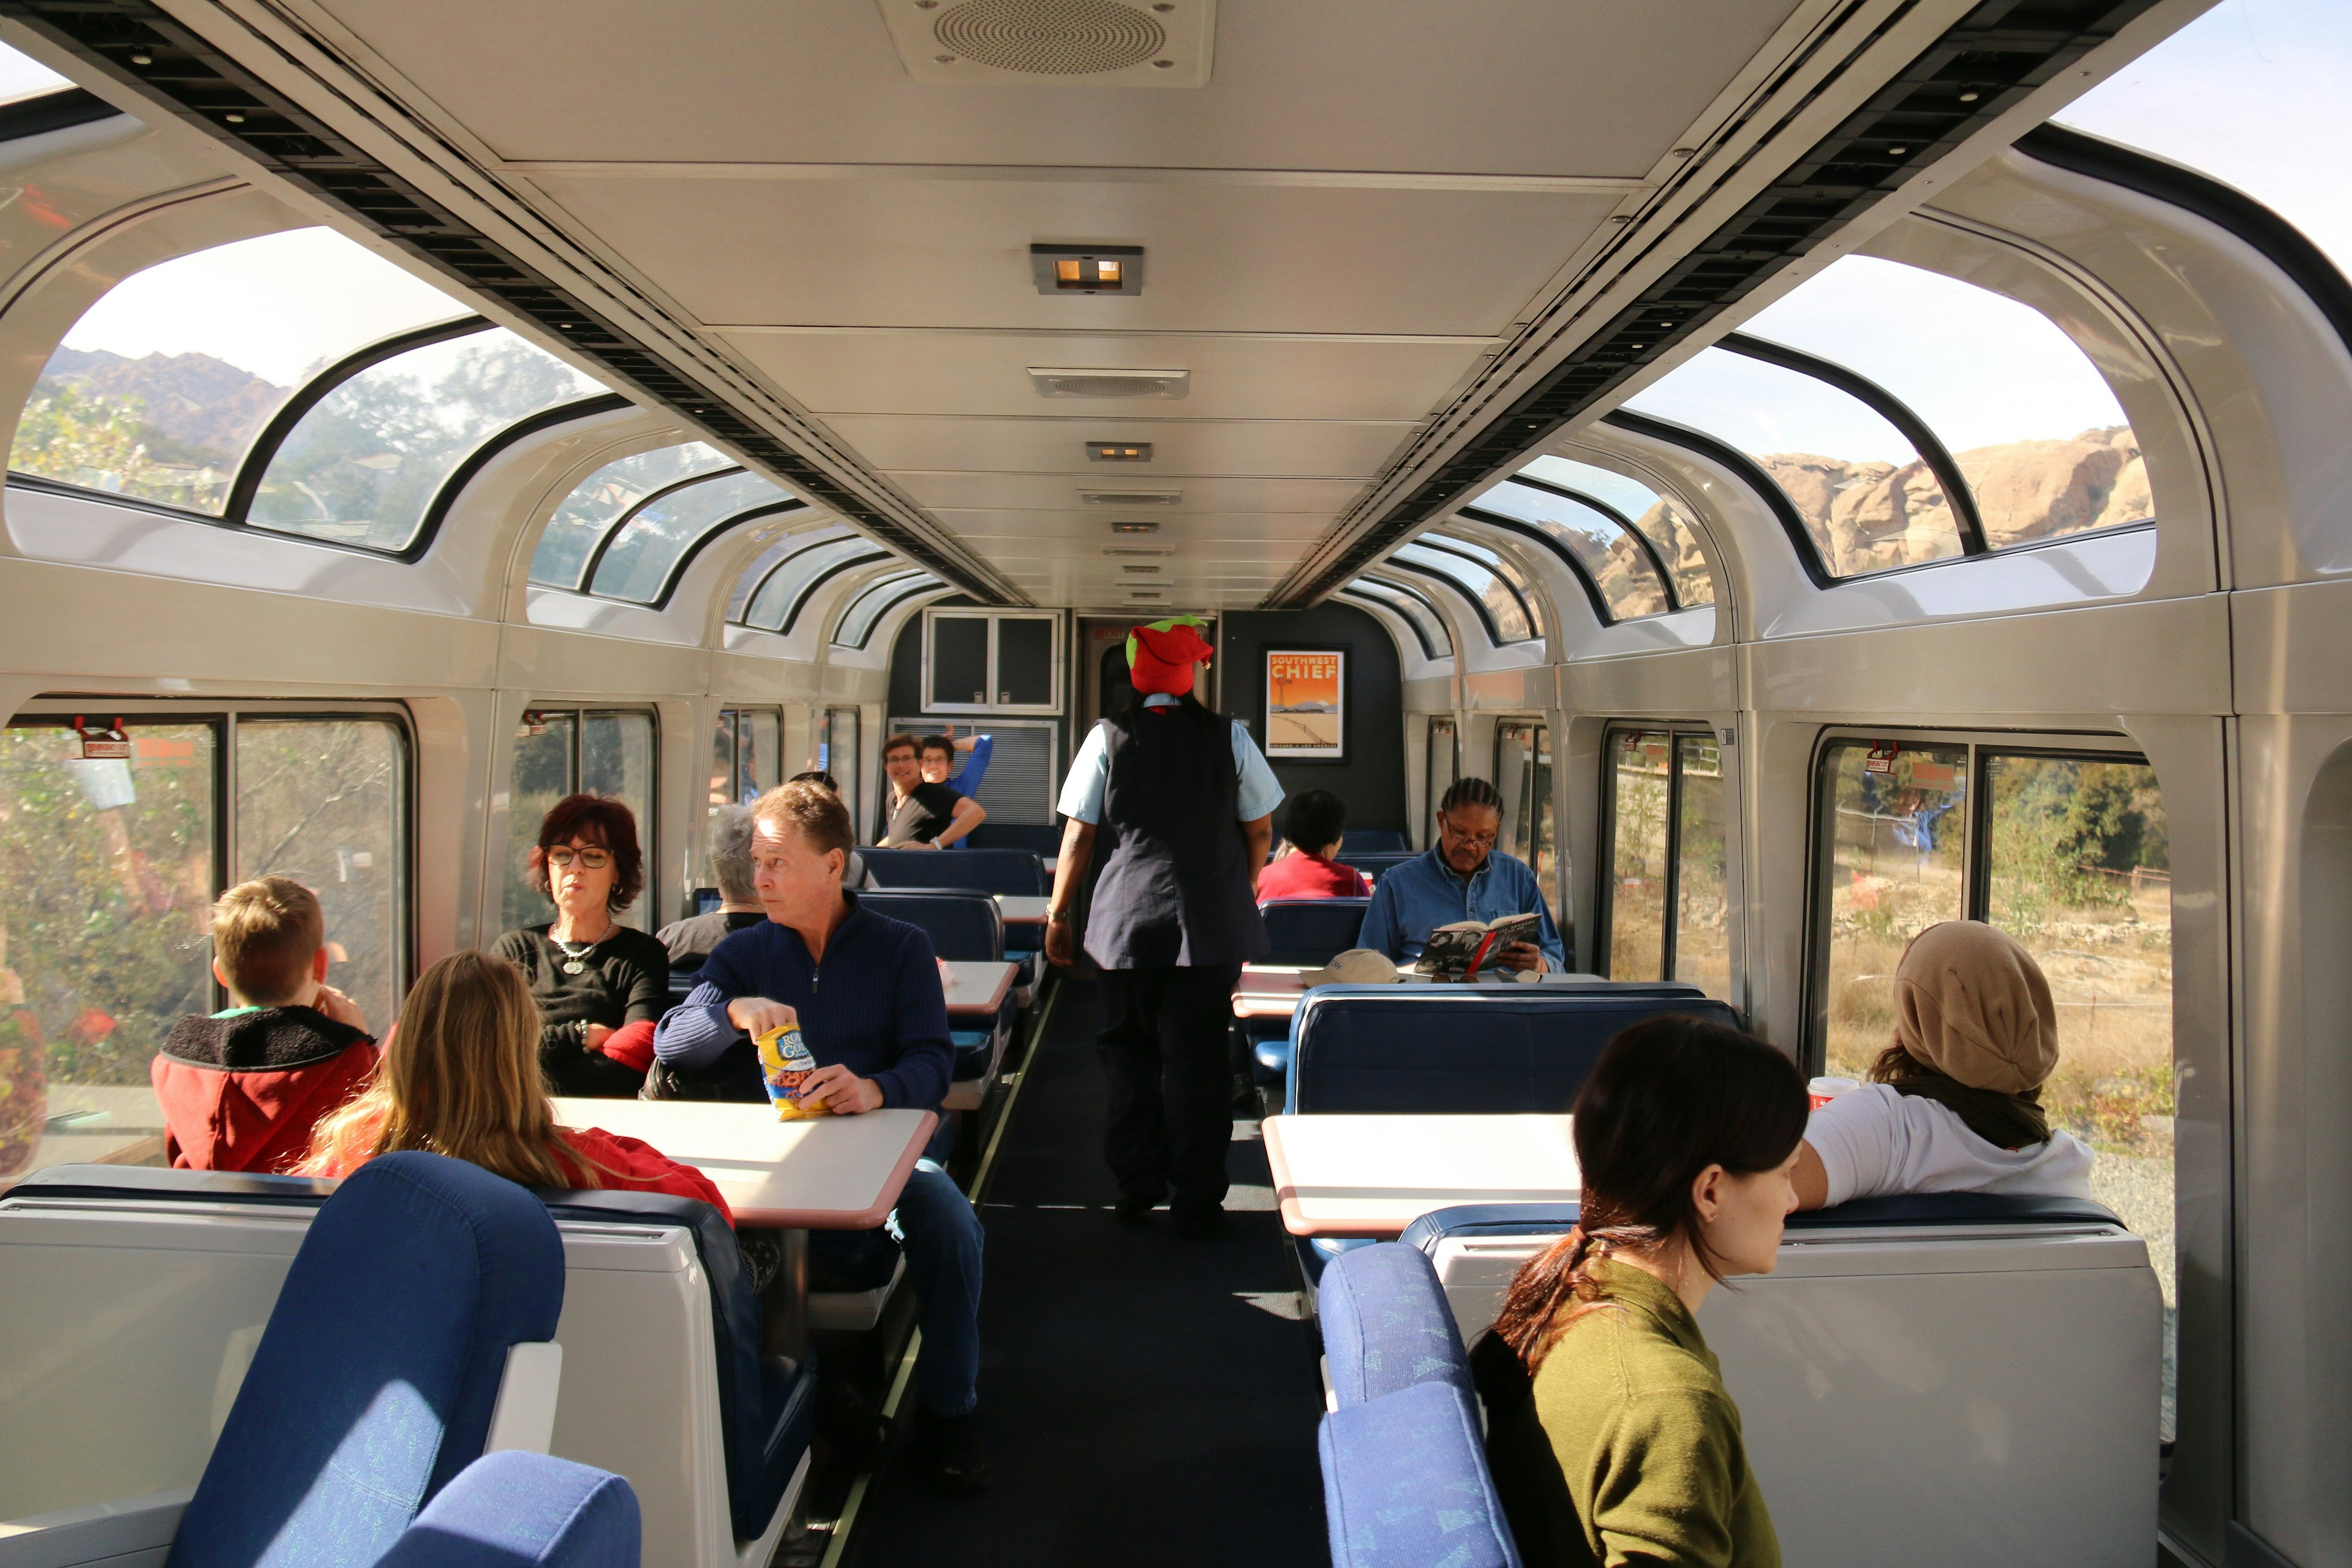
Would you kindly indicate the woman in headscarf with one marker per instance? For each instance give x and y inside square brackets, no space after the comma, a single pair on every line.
[1954,1104]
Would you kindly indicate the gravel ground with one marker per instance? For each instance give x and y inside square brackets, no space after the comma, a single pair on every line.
[2140,1189]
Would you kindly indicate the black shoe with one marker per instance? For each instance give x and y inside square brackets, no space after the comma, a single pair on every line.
[947,1452]
[1245,1103]
[1194,1225]
[1134,1211]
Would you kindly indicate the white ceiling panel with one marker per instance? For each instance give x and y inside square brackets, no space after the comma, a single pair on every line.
[931,252]
[969,489]
[1270,447]
[1587,87]
[988,372]
[1062,530]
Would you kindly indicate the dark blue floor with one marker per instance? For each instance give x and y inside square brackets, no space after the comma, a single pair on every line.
[1142,1404]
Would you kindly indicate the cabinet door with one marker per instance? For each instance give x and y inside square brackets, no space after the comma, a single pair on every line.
[959,660]
[1024,662]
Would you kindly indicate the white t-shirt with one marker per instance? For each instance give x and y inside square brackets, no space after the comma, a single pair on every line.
[1875,1143]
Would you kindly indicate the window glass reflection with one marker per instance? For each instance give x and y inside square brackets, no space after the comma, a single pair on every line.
[1428,627]
[1661,520]
[1702,866]
[777,598]
[1612,559]
[641,556]
[1866,498]
[858,621]
[1504,616]
[598,502]
[363,465]
[1642,785]
[160,389]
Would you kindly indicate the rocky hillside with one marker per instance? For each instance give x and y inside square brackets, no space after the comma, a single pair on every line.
[197,402]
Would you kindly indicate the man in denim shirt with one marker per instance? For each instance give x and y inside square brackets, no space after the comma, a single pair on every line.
[1463,878]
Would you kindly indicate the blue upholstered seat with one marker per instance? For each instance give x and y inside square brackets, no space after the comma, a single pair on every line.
[1405,1484]
[1378,863]
[1311,930]
[1019,873]
[963,925]
[1466,1049]
[1910,1210]
[1373,841]
[513,1509]
[1386,1325]
[375,1379]
[1034,837]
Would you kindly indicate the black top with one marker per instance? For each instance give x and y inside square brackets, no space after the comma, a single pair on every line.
[690,941]
[261,1040]
[924,815]
[1176,889]
[624,978]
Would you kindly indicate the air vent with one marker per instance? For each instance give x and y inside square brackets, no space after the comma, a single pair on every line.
[1142,569]
[1085,43]
[1135,527]
[1146,596]
[1118,451]
[1111,383]
[1129,498]
[1137,550]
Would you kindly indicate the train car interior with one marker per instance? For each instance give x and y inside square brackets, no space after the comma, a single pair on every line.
[1832,468]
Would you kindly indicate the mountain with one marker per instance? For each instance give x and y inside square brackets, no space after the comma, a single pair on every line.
[194,400]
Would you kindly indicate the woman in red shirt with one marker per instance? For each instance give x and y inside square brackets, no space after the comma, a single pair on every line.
[1317,820]
[461,1077]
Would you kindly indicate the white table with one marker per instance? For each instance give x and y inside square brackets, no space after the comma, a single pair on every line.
[1273,990]
[976,987]
[1374,1175]
[1021,910]
[830,1173]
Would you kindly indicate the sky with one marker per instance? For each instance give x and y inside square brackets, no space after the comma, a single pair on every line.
[21,77]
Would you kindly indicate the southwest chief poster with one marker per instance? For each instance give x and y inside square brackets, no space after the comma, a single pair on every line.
[1305,713]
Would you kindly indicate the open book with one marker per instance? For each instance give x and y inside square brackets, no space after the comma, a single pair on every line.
[1456,951]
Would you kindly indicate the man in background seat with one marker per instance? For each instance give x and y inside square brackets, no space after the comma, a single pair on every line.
[1462,878]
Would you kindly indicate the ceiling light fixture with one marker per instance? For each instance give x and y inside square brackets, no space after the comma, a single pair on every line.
[1137,550]
[1135,528]
[1129,498]
[1145,571]
[1111,383]
[1118,451]
[1087,268]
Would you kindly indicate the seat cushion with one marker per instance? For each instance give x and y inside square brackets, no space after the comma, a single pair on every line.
[1386,1325]
[1405,1484]
[515,1509]
[376,1376]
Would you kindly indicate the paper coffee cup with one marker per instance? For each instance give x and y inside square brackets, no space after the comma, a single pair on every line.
[1822,1090]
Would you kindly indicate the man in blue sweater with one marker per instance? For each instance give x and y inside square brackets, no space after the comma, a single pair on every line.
[865,990]
[1462,878]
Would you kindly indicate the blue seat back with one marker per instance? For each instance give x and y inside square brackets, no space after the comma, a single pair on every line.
[1373,841]
[515,1509]
[375,1379]
[1377,864]
[1311,930]
[962,925]
[1018,873]
[1405,1484]
[1386,1325]
[1911,1210]
[1036,838]
[1463,1050]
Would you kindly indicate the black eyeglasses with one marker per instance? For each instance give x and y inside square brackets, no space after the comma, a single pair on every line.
[591,859]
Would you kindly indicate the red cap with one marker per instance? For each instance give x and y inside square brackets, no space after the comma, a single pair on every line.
[1161,658]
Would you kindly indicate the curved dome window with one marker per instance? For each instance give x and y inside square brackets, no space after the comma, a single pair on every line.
[2033,426]
[23,77]
[1619,568]
[644,556]
[602,500]
[2257,94]
[364,464]
[161,389]
[1429,627]
[784,586]
[1663,523]
[1867,498]
[879,598]
[1480,575]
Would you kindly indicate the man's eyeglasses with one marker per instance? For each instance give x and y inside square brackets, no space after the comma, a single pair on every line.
[591,859]
[1476,840]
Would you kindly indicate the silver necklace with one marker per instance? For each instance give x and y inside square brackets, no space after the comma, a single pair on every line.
[575,958]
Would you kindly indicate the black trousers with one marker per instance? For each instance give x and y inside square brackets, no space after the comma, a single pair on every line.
[1171,1088]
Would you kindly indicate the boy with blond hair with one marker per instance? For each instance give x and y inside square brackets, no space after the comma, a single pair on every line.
[243,1089]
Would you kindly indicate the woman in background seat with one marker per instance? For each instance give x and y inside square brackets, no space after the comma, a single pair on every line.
[1609,1432]
[1309,868]
[1954,1104]
[460,1076]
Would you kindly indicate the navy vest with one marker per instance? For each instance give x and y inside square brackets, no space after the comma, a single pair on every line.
[1176,889]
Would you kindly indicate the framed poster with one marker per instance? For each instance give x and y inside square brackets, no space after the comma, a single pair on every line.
[1307,704]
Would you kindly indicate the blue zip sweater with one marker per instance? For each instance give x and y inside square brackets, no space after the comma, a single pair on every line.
[873,1004]
[1416,898]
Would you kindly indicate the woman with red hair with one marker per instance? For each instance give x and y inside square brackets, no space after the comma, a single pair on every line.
[600,986]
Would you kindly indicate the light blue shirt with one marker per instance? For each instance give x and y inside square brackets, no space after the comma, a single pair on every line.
[1089,776]
[1421,895]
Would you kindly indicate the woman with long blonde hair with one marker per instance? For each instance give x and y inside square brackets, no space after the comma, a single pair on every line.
[461,1077]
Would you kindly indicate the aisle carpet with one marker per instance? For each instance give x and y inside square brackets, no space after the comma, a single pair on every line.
[1148,1401]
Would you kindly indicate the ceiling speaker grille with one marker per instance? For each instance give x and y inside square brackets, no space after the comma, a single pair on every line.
[1050,37]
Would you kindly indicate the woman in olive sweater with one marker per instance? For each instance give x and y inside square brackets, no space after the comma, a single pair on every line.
[1609,1432]
[600,986]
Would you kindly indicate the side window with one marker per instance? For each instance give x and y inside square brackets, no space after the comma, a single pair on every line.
[107,870]
[560,751]
[1522,774]
[1667,896]
[837,754]
[2069,855]
[1442,765]
[746,748]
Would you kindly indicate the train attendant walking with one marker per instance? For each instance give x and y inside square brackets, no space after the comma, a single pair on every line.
[1174,918]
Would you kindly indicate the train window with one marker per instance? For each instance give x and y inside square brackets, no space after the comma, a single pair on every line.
[786,583]
[1663,523]
[747,750]
[978,661]
[767,584]
[1868,500]
[161,389]
[1522,774]
[23,77]
[321,801]
[2033,429]
[607,496]
[877,599]
[364,464]
[1428,626]
[837,753]
[1500,609]
[642,559]
[1441,765]
[560,751]
[1668,809]
[2253,93]
[1619,566]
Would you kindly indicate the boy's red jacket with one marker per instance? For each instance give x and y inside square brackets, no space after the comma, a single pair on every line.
[243,1092]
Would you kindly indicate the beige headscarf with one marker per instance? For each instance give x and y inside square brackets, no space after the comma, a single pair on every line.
[1971,1004]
